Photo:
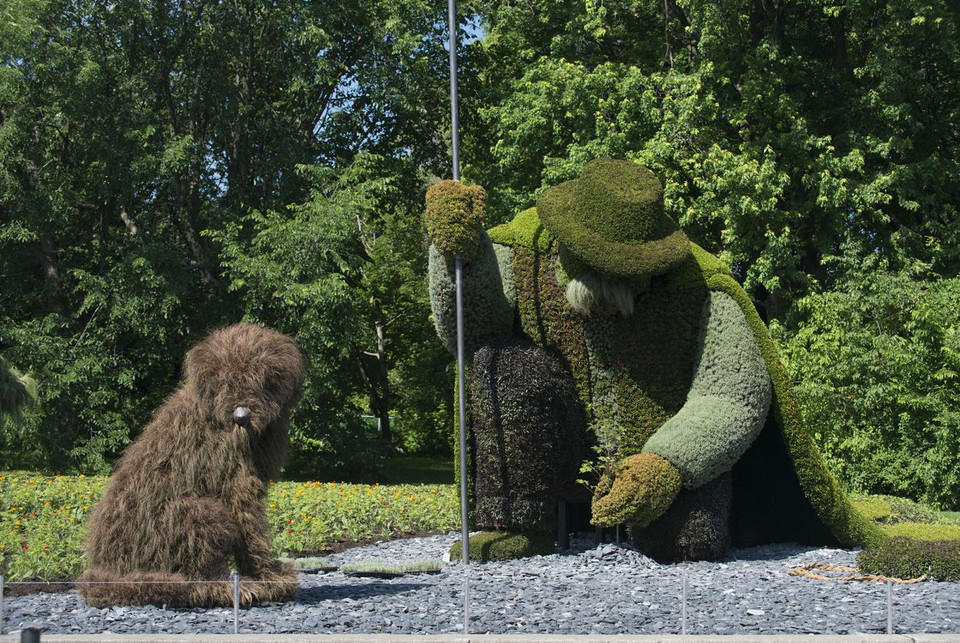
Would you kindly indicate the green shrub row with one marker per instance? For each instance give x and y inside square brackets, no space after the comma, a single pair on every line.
[908,558]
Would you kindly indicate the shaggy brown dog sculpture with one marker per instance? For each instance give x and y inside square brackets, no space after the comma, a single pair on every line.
[189,492]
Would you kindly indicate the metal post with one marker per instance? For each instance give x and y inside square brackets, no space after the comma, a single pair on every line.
[29,635]
[1,604]
[236,602]
[454,110]
[563,531]
[889,607]
[683,609]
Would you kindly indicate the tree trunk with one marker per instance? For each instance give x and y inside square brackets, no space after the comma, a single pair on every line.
[384,406]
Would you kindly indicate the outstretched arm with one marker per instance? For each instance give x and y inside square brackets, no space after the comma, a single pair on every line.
[454,224]
[728,400]
[724,412]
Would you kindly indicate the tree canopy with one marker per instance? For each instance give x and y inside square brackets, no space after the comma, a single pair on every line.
[173,166]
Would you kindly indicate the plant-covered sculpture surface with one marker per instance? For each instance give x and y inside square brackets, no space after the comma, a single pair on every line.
[592,321]
[188,494]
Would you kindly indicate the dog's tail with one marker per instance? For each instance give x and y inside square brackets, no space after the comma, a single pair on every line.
[104,588]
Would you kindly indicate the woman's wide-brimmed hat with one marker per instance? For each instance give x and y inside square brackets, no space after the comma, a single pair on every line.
[612,219]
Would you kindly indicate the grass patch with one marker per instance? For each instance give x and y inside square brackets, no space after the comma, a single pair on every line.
[417,470]
[923,531]
[307,562]
[43,518]
[372,565]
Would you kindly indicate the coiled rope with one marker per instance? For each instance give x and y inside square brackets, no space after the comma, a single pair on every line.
[806,571]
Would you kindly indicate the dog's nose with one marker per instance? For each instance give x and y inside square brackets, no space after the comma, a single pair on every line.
[241,415]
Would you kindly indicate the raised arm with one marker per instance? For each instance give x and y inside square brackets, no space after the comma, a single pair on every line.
[454,225]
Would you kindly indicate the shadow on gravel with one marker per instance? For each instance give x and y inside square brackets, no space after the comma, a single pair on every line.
[313,595]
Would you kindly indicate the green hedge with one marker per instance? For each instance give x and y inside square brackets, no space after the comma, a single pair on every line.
[908,558]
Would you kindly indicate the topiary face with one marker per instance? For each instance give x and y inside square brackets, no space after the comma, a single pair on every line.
[244,367]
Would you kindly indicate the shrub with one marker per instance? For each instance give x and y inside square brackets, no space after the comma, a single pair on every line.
[923,531]
[908,558]
[500,545]
[877,363]
[872,508]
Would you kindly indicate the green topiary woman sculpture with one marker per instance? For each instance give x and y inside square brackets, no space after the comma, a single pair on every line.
[592,320]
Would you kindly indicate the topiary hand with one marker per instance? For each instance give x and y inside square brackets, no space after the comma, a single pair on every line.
[639,490]
[454,217]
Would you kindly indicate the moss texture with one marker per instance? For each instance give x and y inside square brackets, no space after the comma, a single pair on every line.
[489,296]
[612,218]
[908,558]
[454,217]
[528,428]
[500,545]
[524,231]
[695,527]
[923,531]
[727,403]
[640,489]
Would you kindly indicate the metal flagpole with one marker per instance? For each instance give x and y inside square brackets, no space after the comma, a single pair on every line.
[461,383]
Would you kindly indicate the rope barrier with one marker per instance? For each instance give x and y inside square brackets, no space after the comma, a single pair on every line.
[806,571]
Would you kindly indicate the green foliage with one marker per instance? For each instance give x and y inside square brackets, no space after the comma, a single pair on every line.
[908,558]
[454,217]
[126,131]
[923,531]
[528,429]
[878,369]
[501,545]
[639,490]
[872,508]
[779,130]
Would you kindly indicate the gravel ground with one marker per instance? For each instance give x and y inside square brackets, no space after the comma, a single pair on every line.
[606,589]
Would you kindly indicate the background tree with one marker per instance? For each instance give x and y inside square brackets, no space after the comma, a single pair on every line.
[128,130]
